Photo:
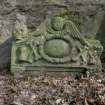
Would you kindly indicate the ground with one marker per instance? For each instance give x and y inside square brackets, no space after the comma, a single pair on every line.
[44,90]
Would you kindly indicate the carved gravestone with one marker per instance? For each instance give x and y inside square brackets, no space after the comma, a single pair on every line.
[56,46]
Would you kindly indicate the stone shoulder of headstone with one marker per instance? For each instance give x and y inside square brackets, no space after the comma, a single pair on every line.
[95,44]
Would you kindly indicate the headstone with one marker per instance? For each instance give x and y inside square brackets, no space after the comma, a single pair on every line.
[56,46]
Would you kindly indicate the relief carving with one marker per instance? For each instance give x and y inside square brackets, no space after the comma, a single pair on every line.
[56,43]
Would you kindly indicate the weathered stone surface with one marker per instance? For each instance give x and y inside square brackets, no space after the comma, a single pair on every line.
[55,46]
[90,13]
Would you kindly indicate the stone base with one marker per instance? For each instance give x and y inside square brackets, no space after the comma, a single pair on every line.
[49,70]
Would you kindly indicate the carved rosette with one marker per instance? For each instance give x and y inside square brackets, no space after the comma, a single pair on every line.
[56,48]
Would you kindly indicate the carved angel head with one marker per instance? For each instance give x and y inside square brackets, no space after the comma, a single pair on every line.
[57,23]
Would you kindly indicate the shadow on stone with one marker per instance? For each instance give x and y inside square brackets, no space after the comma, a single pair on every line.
[101,36]
[5,54]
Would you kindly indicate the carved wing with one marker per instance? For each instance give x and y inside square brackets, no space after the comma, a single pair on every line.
[72,29]
[74,33]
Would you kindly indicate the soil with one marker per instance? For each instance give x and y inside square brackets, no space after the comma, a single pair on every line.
[45,90]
